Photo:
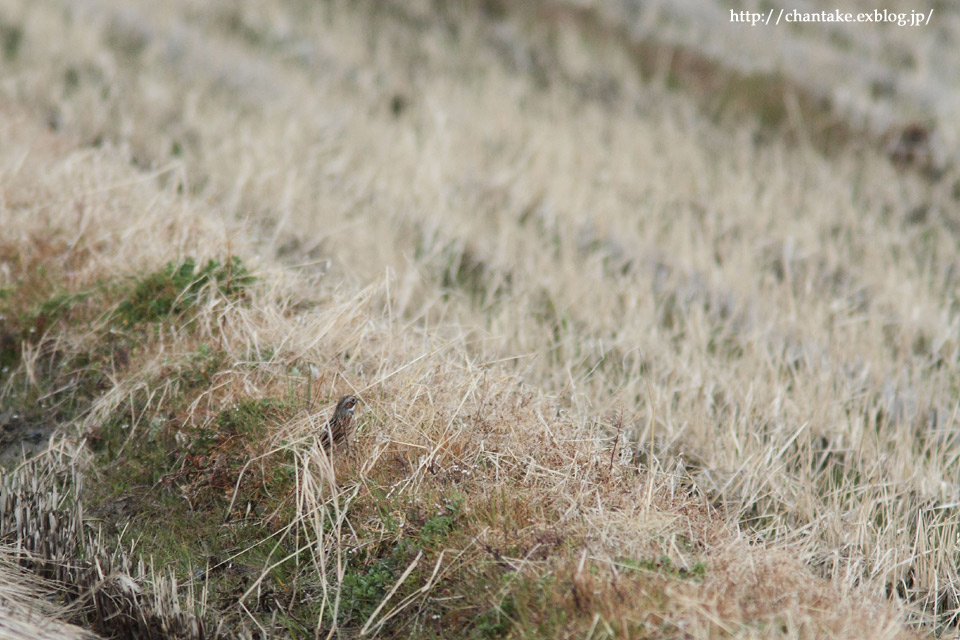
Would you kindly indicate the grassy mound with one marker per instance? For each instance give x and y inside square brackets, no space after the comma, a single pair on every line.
[613,383]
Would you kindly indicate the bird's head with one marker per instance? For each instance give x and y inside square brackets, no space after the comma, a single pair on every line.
[347,405]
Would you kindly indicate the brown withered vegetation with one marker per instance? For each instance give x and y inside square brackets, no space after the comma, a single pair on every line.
[651,341]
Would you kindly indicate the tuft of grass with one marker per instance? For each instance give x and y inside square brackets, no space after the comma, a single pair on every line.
[364,587]
[435,531]
[666,567]
[497,621]
[11,39]
[176,289]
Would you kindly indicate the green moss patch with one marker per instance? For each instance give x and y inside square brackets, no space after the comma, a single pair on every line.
[177,288]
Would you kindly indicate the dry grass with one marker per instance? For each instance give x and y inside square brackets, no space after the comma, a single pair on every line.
[630,367]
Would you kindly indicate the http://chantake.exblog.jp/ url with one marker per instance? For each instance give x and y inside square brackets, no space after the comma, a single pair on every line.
[881,16]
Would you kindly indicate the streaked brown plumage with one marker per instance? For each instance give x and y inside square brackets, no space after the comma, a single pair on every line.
[340,427]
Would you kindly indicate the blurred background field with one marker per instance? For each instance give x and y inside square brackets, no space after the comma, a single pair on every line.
[654,316]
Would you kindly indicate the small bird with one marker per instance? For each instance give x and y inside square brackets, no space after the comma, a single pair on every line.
[341,424]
